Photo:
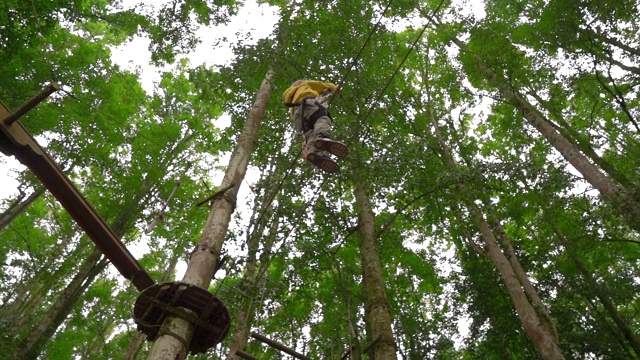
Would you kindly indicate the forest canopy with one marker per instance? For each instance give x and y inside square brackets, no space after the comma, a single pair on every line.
[489,207]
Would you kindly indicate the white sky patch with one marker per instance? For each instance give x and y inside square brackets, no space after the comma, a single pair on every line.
[252,23]
[8,183]
[9,169]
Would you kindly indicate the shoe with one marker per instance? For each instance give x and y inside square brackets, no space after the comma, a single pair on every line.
[323,162]
[334,147]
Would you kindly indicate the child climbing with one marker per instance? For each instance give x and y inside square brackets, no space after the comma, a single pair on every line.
[307,99]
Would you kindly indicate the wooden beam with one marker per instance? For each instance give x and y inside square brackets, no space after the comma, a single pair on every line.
[216,195]
[10,118]
[279,346]
[244,355]
[15,140]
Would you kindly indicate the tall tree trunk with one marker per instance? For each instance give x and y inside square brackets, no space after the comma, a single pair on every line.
[256,282]
[621,200]
[383,346]
[628,333]
[535,326]
[32,344]
[17,208]
[206,255]
[540,331]
[253,281]
[134,346]
[528,288]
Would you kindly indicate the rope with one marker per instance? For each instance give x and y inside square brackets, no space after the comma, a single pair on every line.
[363,46]
[355,59]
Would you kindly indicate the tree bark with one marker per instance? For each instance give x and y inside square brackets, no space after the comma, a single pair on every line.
[32,344]
[206,255]
[628,333]
[383,346]
[609,190]
[540,331]
[16,209]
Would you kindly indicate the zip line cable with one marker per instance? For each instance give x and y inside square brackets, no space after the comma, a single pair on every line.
[357,57]
[413,45]
[395,72]
[360,124]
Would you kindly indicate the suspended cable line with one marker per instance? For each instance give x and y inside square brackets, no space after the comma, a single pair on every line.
[357,57]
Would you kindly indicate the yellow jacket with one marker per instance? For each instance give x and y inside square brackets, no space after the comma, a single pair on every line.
[295,94]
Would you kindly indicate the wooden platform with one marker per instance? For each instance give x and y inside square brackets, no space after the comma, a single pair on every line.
[206,312]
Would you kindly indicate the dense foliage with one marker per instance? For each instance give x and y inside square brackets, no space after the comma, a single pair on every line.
[499,150]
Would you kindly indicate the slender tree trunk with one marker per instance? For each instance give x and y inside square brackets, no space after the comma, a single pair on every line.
[134,346]
[540,331]
[16,209]
[610,191]
[353,350]
[601,293]
[383,346]
[255,281]
[535,327]
[30,347]
[206,255]
[528,288]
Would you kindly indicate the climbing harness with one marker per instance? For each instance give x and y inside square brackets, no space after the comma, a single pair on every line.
[307,124]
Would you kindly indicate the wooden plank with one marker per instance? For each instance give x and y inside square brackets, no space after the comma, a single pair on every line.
[244,355]
[16,141]
[279,346]
[12,117]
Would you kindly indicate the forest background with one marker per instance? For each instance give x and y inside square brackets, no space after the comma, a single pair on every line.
[489,207]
